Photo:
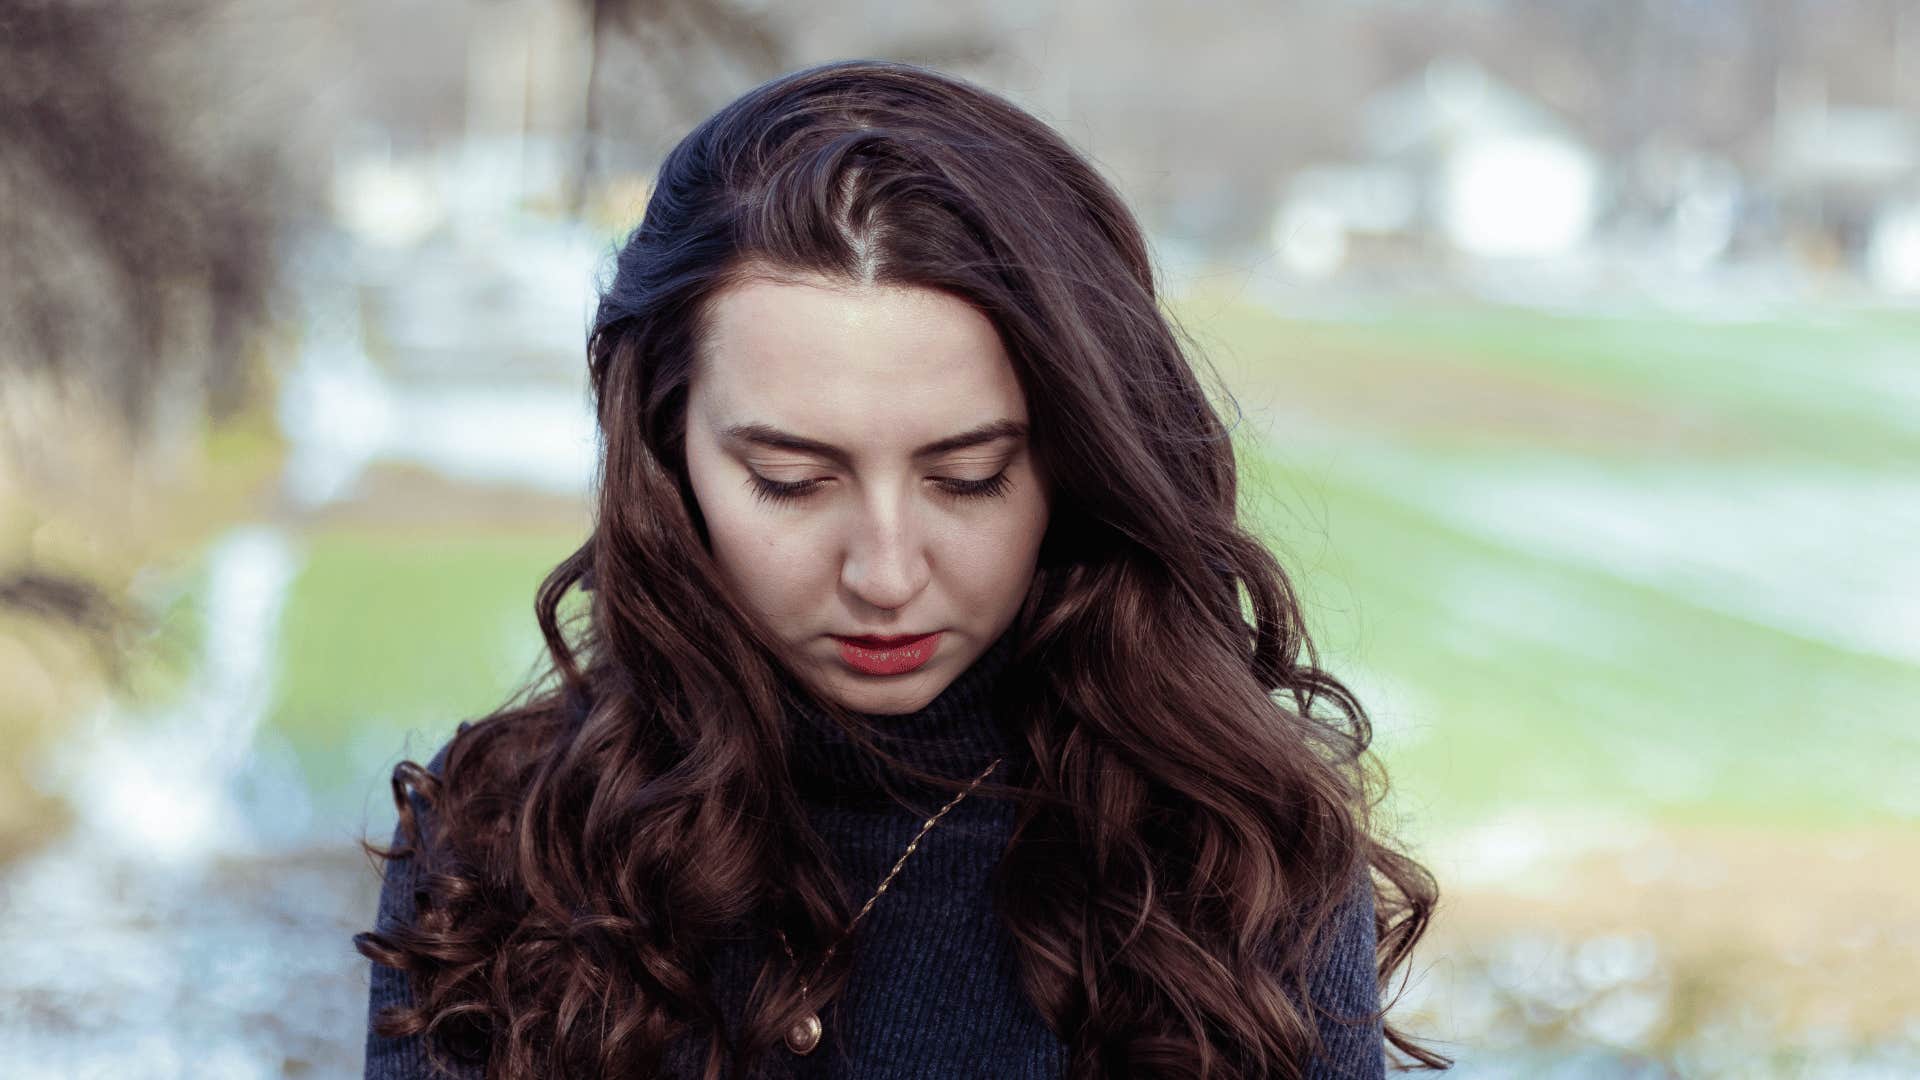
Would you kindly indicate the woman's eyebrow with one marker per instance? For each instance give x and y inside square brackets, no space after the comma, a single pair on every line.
[775,439]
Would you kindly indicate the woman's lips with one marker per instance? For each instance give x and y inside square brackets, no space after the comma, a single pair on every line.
[888,656]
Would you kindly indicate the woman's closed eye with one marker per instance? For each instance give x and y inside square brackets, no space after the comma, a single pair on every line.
[782,491]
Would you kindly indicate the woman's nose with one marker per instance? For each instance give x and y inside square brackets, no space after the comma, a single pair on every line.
[886,562]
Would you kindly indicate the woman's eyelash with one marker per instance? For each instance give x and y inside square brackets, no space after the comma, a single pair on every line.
[776,491]
[991,487]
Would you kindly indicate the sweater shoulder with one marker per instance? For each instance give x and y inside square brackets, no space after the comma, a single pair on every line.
[407,1057]
[1346,992]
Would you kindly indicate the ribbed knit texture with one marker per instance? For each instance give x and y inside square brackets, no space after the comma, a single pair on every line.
[934,992]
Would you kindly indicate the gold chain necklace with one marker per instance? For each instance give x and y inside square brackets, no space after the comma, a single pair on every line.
[804,1035]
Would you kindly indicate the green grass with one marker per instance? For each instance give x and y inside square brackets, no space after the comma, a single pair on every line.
[1544,684]
[391,638]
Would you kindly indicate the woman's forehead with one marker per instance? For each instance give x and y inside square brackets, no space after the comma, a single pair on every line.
[834,362]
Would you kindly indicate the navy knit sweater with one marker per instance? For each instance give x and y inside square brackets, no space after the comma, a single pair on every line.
[934,992]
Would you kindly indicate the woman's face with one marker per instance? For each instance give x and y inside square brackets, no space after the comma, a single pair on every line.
[859,455]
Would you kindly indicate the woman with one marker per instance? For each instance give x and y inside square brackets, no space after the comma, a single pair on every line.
[884,361]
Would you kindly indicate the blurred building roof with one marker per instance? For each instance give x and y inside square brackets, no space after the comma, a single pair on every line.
[1452,99]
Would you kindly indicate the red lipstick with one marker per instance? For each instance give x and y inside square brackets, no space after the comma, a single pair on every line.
[888,655]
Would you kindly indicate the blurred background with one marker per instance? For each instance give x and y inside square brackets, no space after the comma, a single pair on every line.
[1573,348]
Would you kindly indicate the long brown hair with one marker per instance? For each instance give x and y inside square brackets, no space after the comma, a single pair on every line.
[1201,798]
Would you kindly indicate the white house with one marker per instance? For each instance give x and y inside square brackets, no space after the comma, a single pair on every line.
[1453,153]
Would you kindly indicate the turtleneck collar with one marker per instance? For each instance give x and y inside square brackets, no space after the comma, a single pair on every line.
[955,735]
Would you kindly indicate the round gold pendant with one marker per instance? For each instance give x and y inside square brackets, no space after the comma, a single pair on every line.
[803,1036]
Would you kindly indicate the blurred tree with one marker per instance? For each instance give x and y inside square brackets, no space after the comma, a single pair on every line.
[137,265]
[139,247]
[694,55]
[660,66]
